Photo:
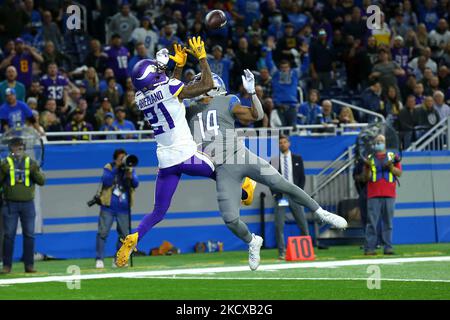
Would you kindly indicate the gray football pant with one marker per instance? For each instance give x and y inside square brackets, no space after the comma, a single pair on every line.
[228,184]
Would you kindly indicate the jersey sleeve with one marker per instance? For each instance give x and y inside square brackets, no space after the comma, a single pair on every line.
[234,101]
[175,87]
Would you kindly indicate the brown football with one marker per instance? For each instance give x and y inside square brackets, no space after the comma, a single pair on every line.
[215,19]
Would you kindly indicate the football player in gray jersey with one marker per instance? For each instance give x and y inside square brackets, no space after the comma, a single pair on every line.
[211,119]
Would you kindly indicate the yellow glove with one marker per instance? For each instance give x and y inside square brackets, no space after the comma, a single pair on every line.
[197,48]
[180,56]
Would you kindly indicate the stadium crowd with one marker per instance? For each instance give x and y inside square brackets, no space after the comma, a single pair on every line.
[79,81]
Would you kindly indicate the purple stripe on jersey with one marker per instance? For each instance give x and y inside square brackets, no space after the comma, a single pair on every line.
[175,88]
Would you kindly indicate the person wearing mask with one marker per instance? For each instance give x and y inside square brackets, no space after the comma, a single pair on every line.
[382,170]
[18,176]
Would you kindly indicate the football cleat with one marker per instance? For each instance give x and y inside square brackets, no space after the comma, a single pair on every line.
[331,218]
[254,248]
[128,246]
[248,190]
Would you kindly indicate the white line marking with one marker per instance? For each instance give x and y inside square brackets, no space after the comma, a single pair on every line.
[196,271]
[289,278]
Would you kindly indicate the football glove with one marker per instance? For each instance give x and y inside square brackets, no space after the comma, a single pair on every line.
[197,48]
[180,56]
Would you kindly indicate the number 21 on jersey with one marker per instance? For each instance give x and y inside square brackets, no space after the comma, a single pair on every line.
[211,123]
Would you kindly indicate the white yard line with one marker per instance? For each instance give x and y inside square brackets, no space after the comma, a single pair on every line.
[291,278]
[197,271]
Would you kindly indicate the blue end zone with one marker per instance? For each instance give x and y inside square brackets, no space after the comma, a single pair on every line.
[443,228]
[410,230]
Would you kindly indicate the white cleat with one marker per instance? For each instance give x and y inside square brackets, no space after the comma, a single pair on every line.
[99,264]
[331,218]
[254,248]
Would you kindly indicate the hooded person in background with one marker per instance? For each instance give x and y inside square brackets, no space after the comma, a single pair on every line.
[18,176]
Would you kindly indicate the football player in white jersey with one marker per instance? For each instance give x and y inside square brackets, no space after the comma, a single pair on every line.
[160,99]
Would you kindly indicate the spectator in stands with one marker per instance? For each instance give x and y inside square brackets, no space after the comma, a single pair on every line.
[11,82]
[433,85]
[310,111]
[146,35]
[400,54]
[141,53]
[116,197]
[123,23]
[55,85]
[112,92]
[92,85]
[22,57]
[286,43]
[428,63]
[356,26]
[419,93]
[427,75]
[291,167]
[387,71]
[392,107]
[440,106]
[32,103]
[105,107]
[50,31]
[118,57]
[409,16]
[50,123]
[439,38]
[427,116]
[109,126]
[445,59]
[407,121]
[221,65]
[323,66]
[422,36]
[285,82]
[444,78]
[398,25]
[14,113]
[18,176]
[78,124]
[328,115]
[243,58]
[346,117]
[12,21]
[168,37]
[132,110]
[122,124]
[96,58]
[381,171]
[50,55]
[371,99]
[265,81]
[428,14]
[50,106]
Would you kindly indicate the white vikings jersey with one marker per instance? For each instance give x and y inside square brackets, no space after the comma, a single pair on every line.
[166,114]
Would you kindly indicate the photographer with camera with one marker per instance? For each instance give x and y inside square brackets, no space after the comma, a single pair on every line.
[115,198]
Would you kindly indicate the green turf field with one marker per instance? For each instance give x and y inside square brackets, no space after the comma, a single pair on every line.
[335,274]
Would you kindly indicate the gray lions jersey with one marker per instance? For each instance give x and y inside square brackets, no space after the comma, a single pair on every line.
[212,126]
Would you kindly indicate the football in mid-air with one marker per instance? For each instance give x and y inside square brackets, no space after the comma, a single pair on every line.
[215,19]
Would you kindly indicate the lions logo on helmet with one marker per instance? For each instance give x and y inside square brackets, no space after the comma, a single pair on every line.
[219,86]
[148,74]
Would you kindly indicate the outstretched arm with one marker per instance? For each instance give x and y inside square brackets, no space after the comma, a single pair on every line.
[256,111]
[206,82]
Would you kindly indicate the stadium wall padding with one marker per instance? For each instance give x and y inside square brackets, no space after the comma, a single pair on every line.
[73,173]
